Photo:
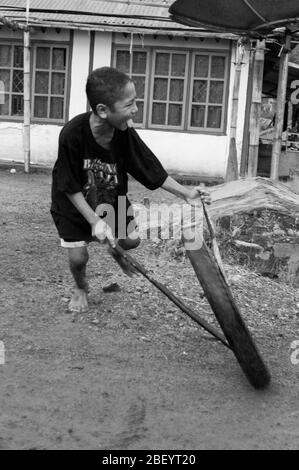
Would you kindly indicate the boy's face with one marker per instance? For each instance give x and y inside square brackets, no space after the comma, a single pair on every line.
[124,109]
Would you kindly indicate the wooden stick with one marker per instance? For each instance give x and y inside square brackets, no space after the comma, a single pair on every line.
[215,247]
[280,108]
[27,101]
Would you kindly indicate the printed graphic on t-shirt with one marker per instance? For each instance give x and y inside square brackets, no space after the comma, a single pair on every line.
[102,182]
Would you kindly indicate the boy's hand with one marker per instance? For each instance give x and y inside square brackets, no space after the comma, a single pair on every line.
[198,193]
[103,232]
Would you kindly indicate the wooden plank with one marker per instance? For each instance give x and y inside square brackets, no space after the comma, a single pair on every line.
[246,127]
[280,108]
[255,113]
[232,162]
[27,99]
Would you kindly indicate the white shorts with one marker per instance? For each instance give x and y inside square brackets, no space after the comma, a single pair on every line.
[65,244]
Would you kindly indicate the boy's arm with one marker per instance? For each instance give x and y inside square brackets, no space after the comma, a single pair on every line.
[99,228]
[190,195]
[83,207]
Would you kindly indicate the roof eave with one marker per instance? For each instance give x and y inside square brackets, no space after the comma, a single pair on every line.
[188,32]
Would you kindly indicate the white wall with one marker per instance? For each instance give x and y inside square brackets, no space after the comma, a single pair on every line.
[79,73]
[188,154]
[11,137]
[44,143]
[102,50]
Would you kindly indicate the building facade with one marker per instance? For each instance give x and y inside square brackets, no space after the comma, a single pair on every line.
[184,82]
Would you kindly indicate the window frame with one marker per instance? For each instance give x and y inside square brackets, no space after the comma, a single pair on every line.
[36,43]
[225,81]
[50,71]
[171,52]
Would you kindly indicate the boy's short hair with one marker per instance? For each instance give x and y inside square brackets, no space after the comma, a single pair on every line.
[105,85]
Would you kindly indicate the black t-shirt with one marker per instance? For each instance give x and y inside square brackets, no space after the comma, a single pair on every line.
[101,175]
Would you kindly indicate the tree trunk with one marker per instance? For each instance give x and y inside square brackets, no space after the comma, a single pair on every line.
[247,195]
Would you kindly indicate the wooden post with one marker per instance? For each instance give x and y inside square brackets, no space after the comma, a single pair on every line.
[27,94]
[246,130]
[280,107]
[256,106]
[232,163]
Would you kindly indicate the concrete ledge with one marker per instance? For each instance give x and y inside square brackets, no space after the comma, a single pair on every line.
[19,166]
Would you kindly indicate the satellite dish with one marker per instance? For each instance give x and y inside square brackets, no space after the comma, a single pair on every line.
[239,16]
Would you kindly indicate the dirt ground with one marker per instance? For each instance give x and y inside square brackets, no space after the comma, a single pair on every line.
[134,372]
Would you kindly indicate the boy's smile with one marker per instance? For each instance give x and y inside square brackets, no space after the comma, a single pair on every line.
[107,119]
[124,109]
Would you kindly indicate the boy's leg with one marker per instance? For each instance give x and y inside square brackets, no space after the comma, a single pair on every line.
[132,241]
[78,258]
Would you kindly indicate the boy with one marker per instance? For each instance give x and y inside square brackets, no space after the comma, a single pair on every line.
[96,151]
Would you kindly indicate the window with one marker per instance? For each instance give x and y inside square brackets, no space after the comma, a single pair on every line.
[185,90]
[49,87]
[208,91]
[49,82]
[168,95]
[11,78]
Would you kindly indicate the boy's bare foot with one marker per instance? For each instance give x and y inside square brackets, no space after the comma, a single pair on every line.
[78,302]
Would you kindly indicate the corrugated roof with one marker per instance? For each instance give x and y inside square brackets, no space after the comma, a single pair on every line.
[112,15]
[102,7]
[89,19]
